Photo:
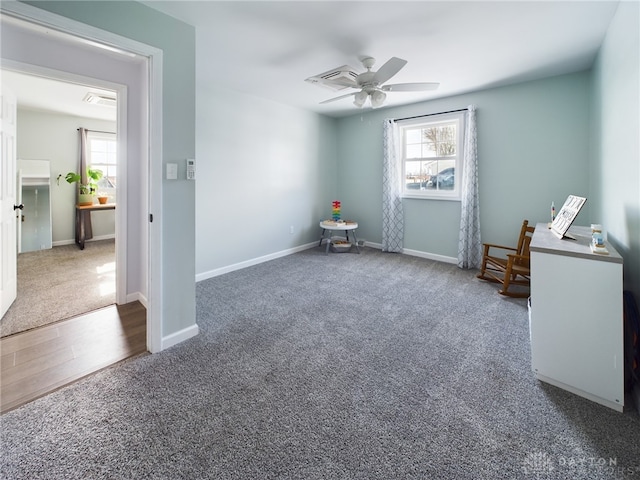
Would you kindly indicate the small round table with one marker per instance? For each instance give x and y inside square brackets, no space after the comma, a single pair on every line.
[331,227]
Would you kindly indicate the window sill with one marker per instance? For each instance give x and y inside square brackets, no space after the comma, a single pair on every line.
[449,198]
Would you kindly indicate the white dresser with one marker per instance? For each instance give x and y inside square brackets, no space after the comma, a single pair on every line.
[576,316]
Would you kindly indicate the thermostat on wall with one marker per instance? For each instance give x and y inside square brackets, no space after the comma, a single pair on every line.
[191,169]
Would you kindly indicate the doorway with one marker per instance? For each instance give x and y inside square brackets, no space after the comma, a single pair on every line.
[56,44]
[51,109]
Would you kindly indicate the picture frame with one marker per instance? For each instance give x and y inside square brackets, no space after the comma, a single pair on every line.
[567,214]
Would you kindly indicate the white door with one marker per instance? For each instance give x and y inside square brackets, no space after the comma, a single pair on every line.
[8,239]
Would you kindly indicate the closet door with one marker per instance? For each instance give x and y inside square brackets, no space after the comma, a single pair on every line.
[34,189]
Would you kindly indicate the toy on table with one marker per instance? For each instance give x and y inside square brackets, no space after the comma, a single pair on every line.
[335,211]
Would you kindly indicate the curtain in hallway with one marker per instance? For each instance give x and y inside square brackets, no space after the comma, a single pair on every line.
[86,216]
[392,214]
[469,243]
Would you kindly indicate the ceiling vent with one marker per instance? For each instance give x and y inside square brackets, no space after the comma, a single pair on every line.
[100,99]
[345,72]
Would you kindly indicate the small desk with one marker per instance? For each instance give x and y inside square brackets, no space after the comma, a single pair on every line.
[576,316]
[80,215]
[338,227]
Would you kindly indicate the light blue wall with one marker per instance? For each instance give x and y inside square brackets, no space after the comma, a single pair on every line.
[615,179]
[177,41]
[54,137]
[263,168]
[533,145]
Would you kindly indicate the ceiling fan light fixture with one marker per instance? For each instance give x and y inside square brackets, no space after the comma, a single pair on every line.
[360,98]
[370,83]
[377,98]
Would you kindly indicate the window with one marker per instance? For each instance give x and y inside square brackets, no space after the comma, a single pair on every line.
[103,156]
[432,156]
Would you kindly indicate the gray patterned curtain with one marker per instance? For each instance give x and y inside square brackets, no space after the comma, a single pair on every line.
[469,243]
[392,214]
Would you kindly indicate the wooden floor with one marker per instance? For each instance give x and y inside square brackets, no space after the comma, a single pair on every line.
[41,360]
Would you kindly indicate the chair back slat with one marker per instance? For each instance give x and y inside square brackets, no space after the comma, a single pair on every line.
[508,268]
[526,241]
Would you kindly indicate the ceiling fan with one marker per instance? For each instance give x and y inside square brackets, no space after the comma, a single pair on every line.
[369,83]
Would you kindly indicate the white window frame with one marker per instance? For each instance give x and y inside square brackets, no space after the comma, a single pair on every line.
[92,135]
[430,121]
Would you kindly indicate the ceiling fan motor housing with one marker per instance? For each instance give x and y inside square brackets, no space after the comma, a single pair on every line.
[366,79]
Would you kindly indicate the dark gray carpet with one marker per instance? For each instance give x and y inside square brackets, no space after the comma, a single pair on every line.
[371,366]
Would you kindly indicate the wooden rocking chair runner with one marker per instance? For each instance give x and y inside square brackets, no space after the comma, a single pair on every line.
[509,265]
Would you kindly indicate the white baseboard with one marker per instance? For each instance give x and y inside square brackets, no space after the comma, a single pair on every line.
[59,243]
[137,296]
[430,256]
[254,261]
[418,253]
[180,336]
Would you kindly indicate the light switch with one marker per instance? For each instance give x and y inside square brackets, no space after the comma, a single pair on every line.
[172,171]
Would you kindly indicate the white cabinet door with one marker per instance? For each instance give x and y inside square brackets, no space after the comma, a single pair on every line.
[576,326]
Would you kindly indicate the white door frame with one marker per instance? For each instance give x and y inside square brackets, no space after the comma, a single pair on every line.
[121,135]
[110,41]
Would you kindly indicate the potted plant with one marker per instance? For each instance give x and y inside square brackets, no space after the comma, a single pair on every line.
[86,191]
[102,198]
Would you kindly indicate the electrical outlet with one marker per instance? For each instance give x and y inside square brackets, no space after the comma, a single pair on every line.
[291,229]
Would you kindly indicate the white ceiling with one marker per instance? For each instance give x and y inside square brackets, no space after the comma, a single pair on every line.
[37,91]
[43,94]
[268,48]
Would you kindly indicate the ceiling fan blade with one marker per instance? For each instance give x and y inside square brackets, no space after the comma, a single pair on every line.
[338,98]
[411,87]
[389,69]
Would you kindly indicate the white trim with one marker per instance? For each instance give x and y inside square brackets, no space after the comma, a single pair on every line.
[121,196]
[283,253]
[59,243]
[255,261]
[421,254]
[154,55]
[155,264]
[452,117]
[100,237]
[137,296]
[180,336]
[415,196]
[79,31]
[430,256]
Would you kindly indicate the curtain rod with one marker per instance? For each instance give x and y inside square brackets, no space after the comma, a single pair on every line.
[97,131]
[430,114]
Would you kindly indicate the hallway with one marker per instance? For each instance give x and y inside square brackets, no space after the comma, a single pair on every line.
[41,360]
